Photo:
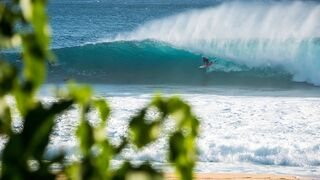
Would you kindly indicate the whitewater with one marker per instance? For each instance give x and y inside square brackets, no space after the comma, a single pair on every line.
[242,130]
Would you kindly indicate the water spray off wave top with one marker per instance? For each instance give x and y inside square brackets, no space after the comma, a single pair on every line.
[278,35]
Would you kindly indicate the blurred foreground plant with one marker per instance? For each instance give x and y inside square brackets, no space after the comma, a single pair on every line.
[24,22]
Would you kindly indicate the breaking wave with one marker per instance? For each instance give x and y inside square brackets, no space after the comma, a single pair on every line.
[154,62]
[283,34]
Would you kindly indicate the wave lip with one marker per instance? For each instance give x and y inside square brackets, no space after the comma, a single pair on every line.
[255,34]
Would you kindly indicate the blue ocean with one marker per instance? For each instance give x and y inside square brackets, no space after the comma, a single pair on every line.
[258,104]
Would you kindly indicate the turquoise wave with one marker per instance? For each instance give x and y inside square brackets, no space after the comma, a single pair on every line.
[153,62]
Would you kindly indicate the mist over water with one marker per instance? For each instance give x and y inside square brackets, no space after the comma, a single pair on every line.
[283,34]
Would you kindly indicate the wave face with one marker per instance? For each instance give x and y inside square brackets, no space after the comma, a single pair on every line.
[152,62]
[274,35]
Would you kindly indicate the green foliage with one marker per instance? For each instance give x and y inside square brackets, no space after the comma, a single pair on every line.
[24,23]
[182,150]
[30,144]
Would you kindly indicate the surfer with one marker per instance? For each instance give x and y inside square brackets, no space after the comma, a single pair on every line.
[206,62]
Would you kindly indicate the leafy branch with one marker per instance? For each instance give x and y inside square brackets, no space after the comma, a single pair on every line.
[23,23]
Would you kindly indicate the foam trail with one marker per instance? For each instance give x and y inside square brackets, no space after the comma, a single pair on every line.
[256,34]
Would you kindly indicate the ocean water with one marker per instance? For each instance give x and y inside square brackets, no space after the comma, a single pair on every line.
[258,105]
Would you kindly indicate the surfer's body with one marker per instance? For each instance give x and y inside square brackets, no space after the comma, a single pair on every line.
[206,63]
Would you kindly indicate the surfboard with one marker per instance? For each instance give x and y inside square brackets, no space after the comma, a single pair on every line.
[206,65]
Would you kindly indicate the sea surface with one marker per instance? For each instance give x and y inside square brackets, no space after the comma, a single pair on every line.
[258,105]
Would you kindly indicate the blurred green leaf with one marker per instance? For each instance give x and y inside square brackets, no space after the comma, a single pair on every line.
[182,149]
[82,94]
[38,126]
[31,142]
[8,75]
[182,154]
[5,117]
[85,133]
[34,61]
[103,108]
[24,97]
[143,132]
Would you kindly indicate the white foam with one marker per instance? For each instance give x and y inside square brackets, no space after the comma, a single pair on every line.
[277,131]
[273,134]
[239,133]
